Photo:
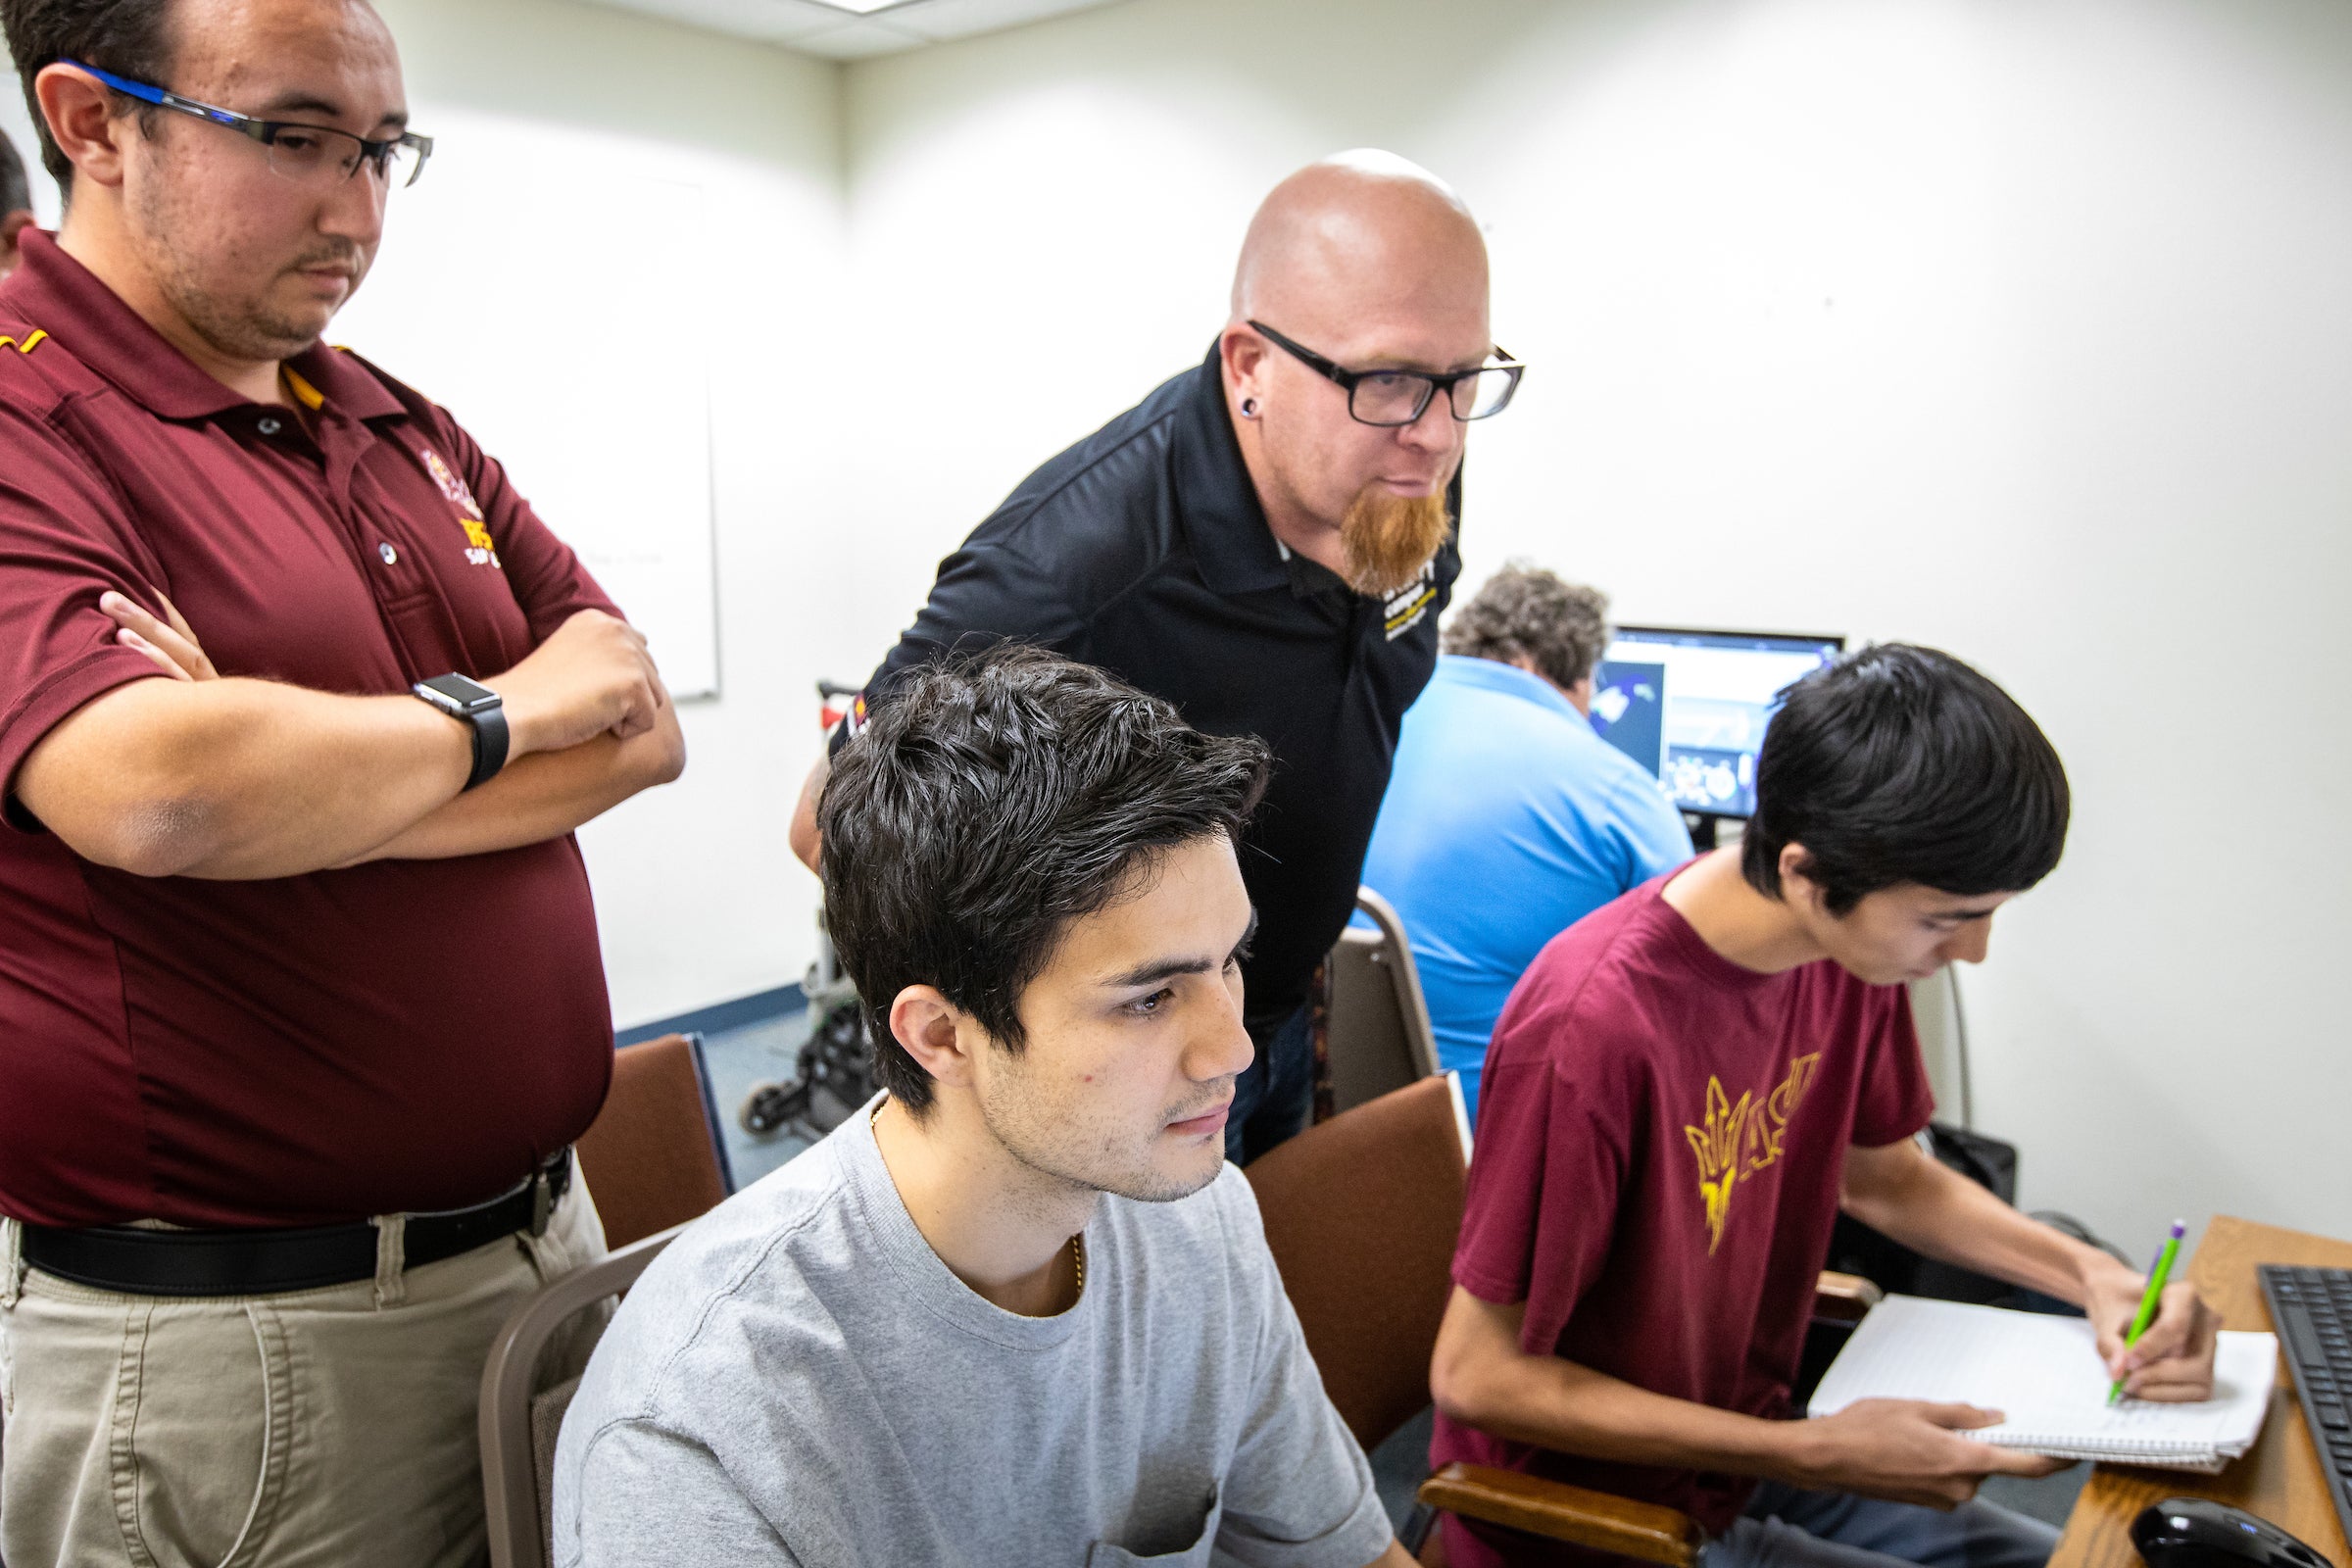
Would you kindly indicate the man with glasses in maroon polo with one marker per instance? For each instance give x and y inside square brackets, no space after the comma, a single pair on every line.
[1266,541]
[301,1005]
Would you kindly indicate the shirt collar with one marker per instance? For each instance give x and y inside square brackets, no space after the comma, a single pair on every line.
[1683,937]
[1494,676]
[929,1281]
[1236,550]
[52,291]
[343,379]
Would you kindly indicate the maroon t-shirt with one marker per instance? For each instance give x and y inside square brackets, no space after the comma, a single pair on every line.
[402,1035]
[1661,1135]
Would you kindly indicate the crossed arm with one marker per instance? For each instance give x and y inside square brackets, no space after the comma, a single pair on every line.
[1901,1450]
[232,779]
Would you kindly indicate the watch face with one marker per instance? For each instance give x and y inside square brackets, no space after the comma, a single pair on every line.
[466,693]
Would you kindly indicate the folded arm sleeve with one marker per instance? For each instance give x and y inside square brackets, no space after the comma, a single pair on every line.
[646,1494]
[65,539]
[1299,1492]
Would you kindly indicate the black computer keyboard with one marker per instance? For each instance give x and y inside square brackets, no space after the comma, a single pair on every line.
[2313,1310]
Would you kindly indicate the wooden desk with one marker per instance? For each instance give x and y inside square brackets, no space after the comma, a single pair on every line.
[2281,1479]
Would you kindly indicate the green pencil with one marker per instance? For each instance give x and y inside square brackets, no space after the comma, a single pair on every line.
[2148,1298]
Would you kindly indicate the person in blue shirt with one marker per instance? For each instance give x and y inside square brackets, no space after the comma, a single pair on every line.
[1508,818]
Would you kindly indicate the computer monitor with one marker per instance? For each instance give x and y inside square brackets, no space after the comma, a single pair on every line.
[1691,705]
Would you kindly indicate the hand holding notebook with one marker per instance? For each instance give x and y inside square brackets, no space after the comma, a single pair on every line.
[2044,1375]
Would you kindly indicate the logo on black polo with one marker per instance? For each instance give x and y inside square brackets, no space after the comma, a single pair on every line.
[1408,604]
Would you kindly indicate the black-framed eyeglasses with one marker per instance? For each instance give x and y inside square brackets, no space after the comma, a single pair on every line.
[1392,398]
[314,155]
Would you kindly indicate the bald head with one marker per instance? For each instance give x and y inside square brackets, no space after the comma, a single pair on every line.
[1363,232]
[1355,266]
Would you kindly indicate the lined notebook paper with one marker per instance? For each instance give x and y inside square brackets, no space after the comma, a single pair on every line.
[2046,1376]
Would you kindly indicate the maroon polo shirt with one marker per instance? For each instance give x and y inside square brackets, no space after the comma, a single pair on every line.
[399,1035]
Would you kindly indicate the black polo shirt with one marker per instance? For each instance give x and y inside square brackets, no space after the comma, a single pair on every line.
[1143,551]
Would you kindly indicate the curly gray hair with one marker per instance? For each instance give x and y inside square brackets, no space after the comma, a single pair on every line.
[1525,612]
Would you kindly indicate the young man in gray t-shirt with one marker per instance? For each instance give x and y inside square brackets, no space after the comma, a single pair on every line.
[1018,1310]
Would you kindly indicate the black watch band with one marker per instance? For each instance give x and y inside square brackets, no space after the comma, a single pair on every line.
[481,710]
[489,744]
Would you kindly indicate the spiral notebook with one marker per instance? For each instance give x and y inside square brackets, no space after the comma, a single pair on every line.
[2044,1375]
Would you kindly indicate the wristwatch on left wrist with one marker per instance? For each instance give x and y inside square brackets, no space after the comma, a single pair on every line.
[481,710]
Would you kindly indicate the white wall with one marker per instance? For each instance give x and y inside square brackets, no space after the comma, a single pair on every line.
[15,123]
[698,898]
[685,877]
[2020,330]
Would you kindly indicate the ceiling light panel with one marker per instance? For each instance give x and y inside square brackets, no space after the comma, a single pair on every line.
[850,30]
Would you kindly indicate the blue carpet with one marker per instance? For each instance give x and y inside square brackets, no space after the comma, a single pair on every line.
[740,1058]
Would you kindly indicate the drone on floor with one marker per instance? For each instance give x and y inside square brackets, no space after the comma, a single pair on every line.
[834,1073]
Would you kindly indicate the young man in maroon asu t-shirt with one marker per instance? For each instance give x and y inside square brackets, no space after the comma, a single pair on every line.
[1684,1090]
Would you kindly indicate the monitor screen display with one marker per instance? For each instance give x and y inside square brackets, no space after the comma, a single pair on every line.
[1691,705]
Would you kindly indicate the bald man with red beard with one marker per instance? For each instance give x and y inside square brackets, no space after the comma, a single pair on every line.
[1266,541]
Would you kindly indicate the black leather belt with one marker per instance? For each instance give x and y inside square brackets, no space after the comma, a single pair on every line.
[146,1262]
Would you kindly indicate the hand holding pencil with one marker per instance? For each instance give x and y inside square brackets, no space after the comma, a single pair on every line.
[2156,1337]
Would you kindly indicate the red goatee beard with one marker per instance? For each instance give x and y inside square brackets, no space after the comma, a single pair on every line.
[1388,538]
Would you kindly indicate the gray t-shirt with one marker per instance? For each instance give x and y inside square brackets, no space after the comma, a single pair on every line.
[800,1380]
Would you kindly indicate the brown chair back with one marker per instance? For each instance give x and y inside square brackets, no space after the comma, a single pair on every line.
[1361,1214]
[651,1157]
[518,1421]
[1377,1037]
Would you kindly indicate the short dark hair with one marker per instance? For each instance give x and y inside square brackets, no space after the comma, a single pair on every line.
[1901,764]
[1523,612]
[15,191]
[990,802]
[129,37]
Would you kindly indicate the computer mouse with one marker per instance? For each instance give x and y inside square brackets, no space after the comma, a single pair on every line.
[2193,1532]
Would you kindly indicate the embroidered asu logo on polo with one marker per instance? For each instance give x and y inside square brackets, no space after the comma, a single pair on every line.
[480,549]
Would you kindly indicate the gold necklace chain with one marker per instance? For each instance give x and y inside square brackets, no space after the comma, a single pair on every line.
[1077,1241]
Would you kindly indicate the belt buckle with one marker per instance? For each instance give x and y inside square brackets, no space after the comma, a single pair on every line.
[542,1204]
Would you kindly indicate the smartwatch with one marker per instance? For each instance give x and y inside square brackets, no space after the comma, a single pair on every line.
[481,710]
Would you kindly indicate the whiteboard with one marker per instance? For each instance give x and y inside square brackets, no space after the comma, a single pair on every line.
[549,300]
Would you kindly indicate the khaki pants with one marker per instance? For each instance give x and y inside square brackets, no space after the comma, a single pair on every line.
[322,1429]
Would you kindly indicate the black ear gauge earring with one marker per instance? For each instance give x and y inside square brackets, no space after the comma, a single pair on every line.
[1249,408]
